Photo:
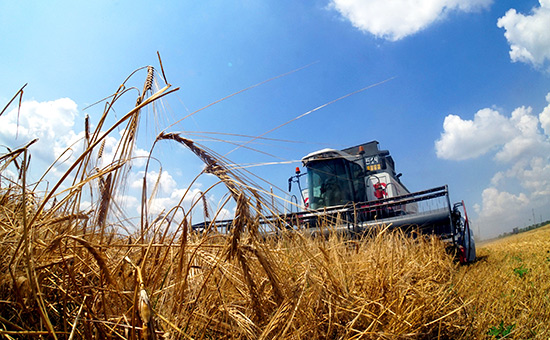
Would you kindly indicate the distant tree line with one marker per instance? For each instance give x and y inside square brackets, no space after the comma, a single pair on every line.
[518,230]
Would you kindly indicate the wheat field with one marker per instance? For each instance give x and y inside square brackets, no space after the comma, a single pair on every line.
[69,273]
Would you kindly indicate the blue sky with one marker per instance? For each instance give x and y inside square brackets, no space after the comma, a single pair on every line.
[466,105]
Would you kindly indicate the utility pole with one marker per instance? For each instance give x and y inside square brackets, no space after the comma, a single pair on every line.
[534,222]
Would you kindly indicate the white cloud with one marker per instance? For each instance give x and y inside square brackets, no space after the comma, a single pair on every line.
[223,214]
[52,122]
[521,146]
[9,175]
[498,178]
[168,195]
[464,139]
[140,157]
[166,183]
[55,124]
[396,19]
[128,202]
[528,35]
[532,175]
[544,117]
[182,197]
[501,211]
[527,140]
[111,147]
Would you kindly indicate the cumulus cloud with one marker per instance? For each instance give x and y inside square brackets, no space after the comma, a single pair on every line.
[527,140]
[544,117]
[165,202]
[396,19]
[52,122]
[168,194]
[514,138]
[111,146]
[56,124]
[528,35]
[163,181]
[8,174]
[501,211]
[537,178]
[532,175]
[463,139]
[521,146]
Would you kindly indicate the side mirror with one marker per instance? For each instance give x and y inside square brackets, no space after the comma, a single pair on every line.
[289,184]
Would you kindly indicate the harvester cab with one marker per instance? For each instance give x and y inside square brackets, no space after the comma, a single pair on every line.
[357,174]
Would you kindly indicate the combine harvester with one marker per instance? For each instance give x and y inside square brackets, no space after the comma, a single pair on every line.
[356,189]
